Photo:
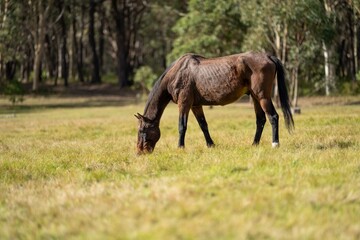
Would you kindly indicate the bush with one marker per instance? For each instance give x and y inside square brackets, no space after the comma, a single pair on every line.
[349,88]
[144,79]
[15,92]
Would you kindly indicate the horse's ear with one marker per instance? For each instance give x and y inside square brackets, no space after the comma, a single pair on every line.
[139,116]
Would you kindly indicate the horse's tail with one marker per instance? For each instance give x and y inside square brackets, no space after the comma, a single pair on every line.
[284,97]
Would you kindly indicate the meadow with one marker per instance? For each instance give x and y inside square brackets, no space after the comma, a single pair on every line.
[69,170]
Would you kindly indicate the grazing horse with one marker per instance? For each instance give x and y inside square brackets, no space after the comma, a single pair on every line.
[193,81]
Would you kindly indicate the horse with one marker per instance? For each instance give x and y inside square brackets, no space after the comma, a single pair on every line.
[194,81]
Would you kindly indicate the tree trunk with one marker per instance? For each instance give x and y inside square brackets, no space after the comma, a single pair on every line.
[326,67]
[101,35]
[355,44]
[38,55]
[63,48]
[118,16]
[296,84]
[1,67]
[27,66]
[95,78]
[4,15]
[329,69]
[39,44]
[50,57]
[329,53]
[10,69]
[79,44]
[72,49]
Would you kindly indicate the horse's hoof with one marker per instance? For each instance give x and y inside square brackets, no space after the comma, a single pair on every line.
[211,145]
[275,145]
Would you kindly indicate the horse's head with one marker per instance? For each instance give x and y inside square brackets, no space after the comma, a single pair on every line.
[148,134]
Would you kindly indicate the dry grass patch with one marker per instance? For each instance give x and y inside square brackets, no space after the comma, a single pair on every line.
[72,173]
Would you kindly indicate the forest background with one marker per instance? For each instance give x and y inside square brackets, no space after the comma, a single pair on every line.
[129,43]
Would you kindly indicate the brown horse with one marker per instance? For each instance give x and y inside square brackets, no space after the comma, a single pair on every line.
[193,81]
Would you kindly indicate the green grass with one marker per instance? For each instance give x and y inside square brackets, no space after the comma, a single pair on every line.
[72,173]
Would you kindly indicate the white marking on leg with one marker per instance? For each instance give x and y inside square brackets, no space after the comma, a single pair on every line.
[275,144]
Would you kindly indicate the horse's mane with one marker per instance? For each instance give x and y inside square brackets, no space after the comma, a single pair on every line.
[157,85]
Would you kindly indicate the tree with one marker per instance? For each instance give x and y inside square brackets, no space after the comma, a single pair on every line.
[95,76]
[157,41]
[328,47]
[209,28]
[51,39]
[12,38]
[268,29]
[63,62]
[77,42]
[294,31]
[39,36]
[127,16]
[118,14]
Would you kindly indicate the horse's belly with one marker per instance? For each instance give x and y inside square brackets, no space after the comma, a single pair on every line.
[219,84]
[220,95]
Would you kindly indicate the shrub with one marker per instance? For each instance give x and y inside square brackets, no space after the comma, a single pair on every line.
[144,79]
[15,92]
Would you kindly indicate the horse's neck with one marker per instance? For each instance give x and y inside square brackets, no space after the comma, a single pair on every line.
[156,104]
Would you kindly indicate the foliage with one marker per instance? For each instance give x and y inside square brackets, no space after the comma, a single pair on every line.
[294,31]
[12,32]
[145,78]
[14,91]
[157,37]
[348,88]
[210,28]
[73,171]
[132,34]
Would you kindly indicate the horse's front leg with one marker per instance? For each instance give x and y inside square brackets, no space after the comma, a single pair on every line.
[200,117]
[183,119]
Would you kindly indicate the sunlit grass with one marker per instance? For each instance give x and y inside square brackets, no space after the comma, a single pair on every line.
[73,173]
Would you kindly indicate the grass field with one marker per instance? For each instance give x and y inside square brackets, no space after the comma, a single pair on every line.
[68,170]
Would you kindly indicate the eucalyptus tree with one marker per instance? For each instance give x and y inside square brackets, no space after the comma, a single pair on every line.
[296,32]
[210,28]
[95,66]
[157,38]
[126,20]
[14,39]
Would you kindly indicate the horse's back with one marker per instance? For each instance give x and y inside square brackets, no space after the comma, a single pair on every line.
[222,80]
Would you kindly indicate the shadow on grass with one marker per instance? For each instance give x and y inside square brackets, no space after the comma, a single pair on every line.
[353,103]
[77,95]
[335,144]
[64,103]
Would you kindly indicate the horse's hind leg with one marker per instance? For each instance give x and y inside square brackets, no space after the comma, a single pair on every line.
[200,117]
[260,121]
[269,109]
